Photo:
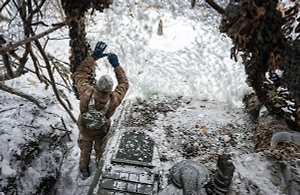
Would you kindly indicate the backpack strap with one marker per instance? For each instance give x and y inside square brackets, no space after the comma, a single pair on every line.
[92,103]
[106,106]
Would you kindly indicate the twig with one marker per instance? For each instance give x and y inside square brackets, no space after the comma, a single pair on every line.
[7,109]
[62,159]
[68,133]
[60,129]
[30,126]
[35,65]
[216,6]
[4,4]
[63,73]
[63,122]
[48,67]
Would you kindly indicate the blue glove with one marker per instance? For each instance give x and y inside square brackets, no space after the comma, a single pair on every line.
[113,59]
[98,51]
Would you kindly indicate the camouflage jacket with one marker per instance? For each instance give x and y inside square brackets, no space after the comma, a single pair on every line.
[85,89]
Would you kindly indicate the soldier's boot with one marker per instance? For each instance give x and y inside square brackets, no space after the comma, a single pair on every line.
[84,173]
[84,162]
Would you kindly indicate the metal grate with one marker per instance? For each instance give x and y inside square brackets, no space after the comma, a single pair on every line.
[120,182]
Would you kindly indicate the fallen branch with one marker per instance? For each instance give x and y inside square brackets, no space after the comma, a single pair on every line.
[23,95]
[64,124]
[60,129]
[7,109]
[30,126]
[62,159]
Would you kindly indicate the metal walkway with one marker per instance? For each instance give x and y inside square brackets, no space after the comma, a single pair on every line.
[131,167]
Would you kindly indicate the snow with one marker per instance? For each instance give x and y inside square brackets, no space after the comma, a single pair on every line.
[191,60]
[187,47]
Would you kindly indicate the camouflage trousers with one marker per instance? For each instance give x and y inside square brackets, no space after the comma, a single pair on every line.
[86,144]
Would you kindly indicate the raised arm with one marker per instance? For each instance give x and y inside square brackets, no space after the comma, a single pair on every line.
[123,84]
[85,69]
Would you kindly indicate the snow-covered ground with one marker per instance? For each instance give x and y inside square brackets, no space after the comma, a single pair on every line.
[190,60]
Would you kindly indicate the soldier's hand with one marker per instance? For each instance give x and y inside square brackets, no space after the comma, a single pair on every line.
[113,59]
[98,51]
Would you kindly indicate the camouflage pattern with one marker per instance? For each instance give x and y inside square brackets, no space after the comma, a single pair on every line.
[93,137]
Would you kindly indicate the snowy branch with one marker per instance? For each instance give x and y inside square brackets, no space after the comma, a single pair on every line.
[11,47]
[48,67]
[23,95]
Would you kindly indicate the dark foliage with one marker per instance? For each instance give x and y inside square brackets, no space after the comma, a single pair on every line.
[262,34]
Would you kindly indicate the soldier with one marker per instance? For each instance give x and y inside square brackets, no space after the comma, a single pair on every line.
[103,98]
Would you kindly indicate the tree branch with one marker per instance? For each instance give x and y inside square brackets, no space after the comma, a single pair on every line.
[4,4]
[33,38]
[10,73]
[63,72]
[37,71]
[48,67]
[216,6]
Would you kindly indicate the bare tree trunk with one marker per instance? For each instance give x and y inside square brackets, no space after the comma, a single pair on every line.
[75,11]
